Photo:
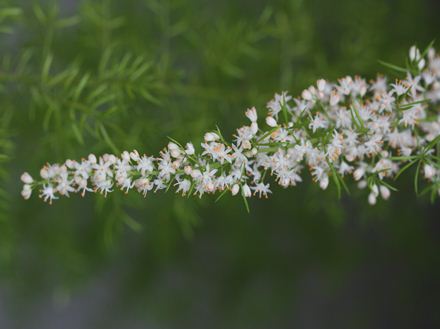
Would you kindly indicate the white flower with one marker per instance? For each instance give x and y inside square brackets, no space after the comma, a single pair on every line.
[145,165]
[48,194]
[414,54]
[318,122]
[183,186]
[252,114]
[261,189]
[189,149]
[400,87]
[143,185]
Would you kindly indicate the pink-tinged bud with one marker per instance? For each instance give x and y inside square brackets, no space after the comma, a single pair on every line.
[26,192]
[44,173]
[385,192]
[271,122]
[235,189]
[323,183]
[187,170]
[26,178]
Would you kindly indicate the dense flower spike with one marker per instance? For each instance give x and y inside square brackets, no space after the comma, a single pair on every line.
[371,132]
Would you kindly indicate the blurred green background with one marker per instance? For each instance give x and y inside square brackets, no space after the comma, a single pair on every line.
[104,76]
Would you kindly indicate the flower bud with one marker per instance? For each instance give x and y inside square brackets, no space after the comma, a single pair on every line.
[429,171]
[254,127]
[385,192]
[44,173]
[372,199]
[414,54]
[211,137]
[26,192]
[26,178]
[173,146]
[271,122]
[375,190]
[189,149]
[358,173]
[323,183]
[235,189]
[246,191]
[321,85]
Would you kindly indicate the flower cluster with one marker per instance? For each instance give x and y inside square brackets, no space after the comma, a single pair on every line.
[369,131]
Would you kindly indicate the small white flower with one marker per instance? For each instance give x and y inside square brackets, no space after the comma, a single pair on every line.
[48,194]
[252,114]
[183,186]
[189,149]
[261,189]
